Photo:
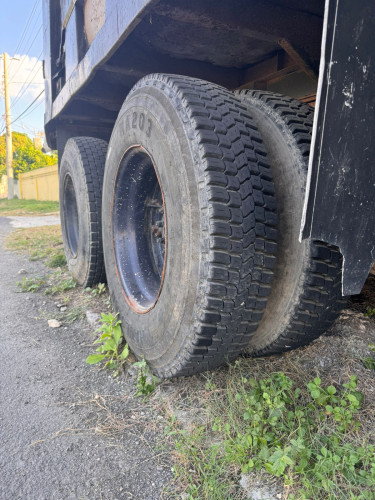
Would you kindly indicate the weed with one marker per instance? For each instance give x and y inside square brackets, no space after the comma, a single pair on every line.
[307,436]
[111,340]
[60,284]
[198,458]
[368,363]
[98,290]
[74,314]
[108,302]
[370,312]
[57,260]
[40,243]
[32,284]
[146,381]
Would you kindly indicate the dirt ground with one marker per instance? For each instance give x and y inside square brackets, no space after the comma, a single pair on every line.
[69,430]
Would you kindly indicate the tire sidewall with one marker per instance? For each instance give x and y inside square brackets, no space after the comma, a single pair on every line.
[148,119]
[71,164]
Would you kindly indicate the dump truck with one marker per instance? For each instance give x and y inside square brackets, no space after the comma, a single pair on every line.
[215,167]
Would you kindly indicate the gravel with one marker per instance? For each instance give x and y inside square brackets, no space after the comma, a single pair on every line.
[67,430]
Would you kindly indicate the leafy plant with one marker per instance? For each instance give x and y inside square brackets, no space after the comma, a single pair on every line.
[307,436]
[111,348]
[198,459]
[98,290]
[31,284]
[74,314]
[60,284]
[370,312]
[369,363]
[146,381]
[57,260]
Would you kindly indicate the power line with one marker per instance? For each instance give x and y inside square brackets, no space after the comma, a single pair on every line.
[27,114]
[23,83]
[23,112]
[28,107]
[27,51]
[26,26]
[22,89]
[34,108]
[33,29]
[28,127]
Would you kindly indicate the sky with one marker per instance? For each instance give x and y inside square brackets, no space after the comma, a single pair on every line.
[21,38]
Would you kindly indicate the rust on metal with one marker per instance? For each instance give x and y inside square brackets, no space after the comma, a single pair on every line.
[94,16]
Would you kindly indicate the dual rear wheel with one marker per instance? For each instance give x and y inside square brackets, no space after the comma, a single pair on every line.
[190,231]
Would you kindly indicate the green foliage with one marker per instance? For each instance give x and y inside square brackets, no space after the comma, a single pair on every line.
[307,436]
[146,381]
[370,312]
[111,349]
[59,283]
[57,260]
[198,459]
[31,284]
[74,314]
[98,290]
[369,363]
[25,156]
[40,243]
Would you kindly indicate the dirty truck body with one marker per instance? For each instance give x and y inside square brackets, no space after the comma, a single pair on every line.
[226,213]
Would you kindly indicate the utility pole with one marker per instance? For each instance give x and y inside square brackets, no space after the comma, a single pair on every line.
[8,136]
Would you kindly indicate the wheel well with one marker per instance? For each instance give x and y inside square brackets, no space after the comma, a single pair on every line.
[263,44]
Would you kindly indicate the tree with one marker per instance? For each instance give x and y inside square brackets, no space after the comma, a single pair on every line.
[25,156]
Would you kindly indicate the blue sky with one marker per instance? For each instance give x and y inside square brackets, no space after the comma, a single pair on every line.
[21,37]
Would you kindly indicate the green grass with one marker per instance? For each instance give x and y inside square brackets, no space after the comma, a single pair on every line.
[301,432]
[27,207]
[56,283]
[31,284]
[74,314]
[41,243]
[59,282]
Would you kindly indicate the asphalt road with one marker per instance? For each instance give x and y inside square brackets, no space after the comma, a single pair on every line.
[67,430]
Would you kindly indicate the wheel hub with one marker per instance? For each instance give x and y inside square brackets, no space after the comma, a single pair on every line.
[139,230]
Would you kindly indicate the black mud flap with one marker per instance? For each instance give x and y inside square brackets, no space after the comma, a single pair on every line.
[340,196]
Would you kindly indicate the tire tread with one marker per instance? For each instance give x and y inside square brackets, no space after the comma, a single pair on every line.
[233,177]
[321,300]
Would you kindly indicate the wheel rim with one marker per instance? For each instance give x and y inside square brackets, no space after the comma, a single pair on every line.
[139,230]
[71,215]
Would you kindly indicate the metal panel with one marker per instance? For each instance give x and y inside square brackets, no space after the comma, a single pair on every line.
[340,202]
[47,58]
[121,18]
[71,44]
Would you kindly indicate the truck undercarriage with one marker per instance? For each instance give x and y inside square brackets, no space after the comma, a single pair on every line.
[197,204]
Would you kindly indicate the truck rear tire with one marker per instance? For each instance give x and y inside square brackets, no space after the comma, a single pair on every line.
[306,291]
[80,183]
[188,224]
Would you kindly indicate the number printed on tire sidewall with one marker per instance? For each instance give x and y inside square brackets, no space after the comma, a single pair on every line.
[138,120]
